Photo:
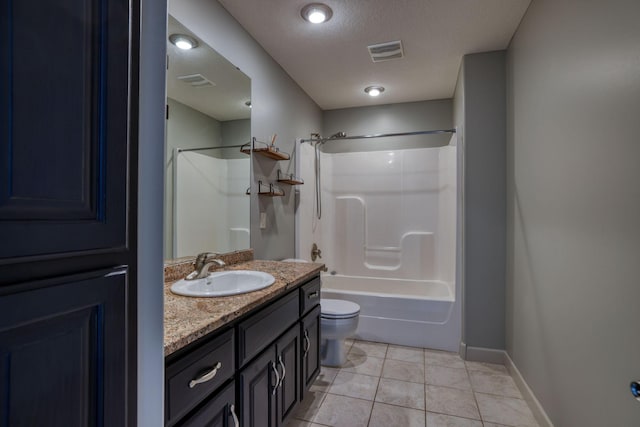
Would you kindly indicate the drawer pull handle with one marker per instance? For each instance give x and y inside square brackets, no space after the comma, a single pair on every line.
[206,377]
[307,343]
[284,370]
[275,371]
[236,423]
[313,295]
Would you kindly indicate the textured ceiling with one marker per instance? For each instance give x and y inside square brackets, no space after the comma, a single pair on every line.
[331,63]
[224,101]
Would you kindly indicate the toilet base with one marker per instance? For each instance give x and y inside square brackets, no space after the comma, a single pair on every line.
[332,353]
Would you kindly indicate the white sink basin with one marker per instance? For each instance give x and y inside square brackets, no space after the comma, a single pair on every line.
[224,283]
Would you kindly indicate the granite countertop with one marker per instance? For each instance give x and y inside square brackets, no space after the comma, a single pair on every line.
[187,319]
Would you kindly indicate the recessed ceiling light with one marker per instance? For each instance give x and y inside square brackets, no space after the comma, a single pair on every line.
[183,41]
[374,90]
[316,13]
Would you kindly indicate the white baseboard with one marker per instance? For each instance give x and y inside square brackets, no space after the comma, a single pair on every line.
[462,351]
[537,409]
[489,355]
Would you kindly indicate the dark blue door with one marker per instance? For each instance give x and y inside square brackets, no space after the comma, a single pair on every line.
[68,170]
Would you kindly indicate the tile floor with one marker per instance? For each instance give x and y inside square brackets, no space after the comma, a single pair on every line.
[387,386]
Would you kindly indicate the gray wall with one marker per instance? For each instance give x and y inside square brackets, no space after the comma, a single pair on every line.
[150,366]
[574,208]
[390,118]
[480,113]
[279,107]
[186,128]
[235,132]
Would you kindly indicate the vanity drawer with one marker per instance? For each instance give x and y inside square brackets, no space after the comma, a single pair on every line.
[262,328]
[309,295]
[195,376]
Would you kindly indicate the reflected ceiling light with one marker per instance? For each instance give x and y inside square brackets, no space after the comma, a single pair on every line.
[374,90]
[316,13]
[183,41]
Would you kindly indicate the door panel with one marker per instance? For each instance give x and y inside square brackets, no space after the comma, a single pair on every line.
[64,112]
[68,212]
[310,348]
[257,382]
[62,353]
[216,412]
[288,357]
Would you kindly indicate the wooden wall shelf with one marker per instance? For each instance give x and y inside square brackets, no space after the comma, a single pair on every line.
[269,190]
[290,179]
[268,150]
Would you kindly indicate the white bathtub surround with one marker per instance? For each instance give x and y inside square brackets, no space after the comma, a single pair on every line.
[202,182]
[417,313]
[388,239]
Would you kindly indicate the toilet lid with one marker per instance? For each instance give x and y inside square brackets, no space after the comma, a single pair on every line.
[338,309]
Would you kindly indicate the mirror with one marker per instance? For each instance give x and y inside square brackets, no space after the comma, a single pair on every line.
[208,119]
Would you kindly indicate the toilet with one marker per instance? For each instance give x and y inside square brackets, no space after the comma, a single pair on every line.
[338,321]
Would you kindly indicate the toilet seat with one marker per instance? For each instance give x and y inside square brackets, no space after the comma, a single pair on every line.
[338,309]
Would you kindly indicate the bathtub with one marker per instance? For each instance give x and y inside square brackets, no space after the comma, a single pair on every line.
[418,313]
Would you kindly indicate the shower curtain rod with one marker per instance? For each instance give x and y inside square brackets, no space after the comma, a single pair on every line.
[381,135]
[180,150]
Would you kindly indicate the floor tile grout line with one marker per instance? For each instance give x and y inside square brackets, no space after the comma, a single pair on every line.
[424,387]
[473,393]
[455,416]
[373,402]
[497,395]
[324,396]
[501,395]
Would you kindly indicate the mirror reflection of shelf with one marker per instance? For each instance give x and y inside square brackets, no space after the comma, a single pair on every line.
[268,190]
[289,178]
[265,149]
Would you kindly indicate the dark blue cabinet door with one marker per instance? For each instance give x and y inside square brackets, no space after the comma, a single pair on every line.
[217,412]
[63,352]
[288,355]
[310,349]
[68,215]
[258,382]
[64,109]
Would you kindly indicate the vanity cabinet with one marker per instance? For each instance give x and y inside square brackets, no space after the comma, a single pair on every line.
[288,351]
[217,412]
[252,374]
[270,386]
[193,377]
[310,327]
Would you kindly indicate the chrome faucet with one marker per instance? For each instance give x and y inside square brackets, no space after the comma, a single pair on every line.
[202,265]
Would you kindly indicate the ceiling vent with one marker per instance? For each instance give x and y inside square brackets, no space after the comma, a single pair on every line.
[386,51]
[196,80]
